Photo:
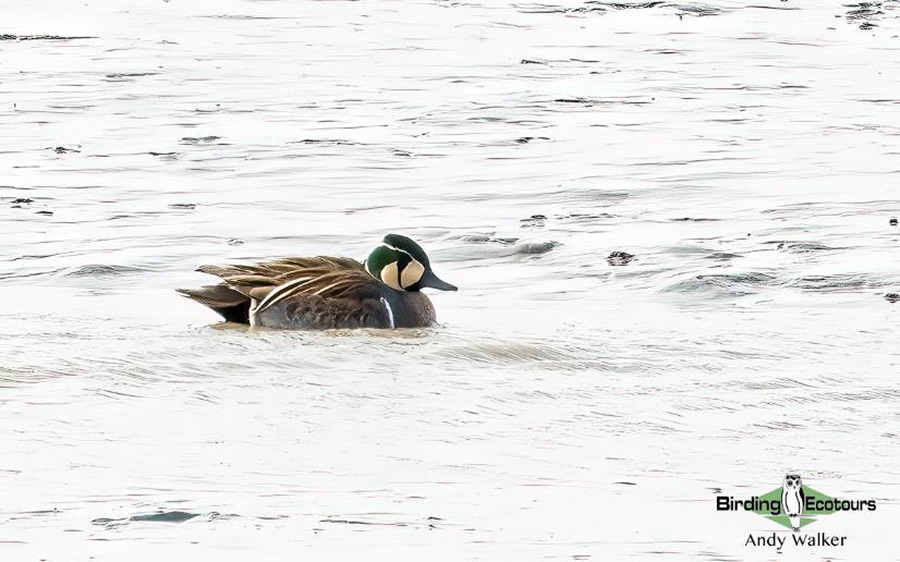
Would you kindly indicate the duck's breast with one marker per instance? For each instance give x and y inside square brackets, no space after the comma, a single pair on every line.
[411,310]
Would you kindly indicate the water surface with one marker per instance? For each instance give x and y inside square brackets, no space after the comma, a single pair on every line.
[568,407]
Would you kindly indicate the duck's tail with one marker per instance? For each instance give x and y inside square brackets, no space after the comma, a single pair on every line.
[230,304]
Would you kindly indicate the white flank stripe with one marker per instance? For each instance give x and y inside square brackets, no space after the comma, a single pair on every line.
[252,316]
[389,311]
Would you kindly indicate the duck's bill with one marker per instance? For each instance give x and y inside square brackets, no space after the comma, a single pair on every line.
[433,281]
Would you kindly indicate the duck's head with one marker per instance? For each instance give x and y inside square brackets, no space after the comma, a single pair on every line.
[402,265]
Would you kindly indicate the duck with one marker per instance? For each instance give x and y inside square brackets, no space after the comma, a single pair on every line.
[323,292]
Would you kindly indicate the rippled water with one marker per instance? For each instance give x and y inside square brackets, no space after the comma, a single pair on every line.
[569,406]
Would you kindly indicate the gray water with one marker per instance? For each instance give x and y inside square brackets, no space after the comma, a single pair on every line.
[566,408]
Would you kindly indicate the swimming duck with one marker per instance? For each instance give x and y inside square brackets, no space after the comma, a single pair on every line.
[322,292]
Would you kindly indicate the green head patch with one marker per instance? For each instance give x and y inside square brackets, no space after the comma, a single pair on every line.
[402,265]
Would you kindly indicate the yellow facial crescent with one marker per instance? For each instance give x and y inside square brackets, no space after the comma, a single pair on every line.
[390,276]
[412,273]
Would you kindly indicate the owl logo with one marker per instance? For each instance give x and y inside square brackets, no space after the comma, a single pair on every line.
[792,499]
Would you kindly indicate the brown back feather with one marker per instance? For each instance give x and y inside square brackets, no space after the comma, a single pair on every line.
[279,268]
[325,276]
[231,305]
